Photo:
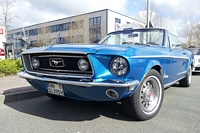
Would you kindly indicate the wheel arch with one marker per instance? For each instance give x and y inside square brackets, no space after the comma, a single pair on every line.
[153,64]
[158,68]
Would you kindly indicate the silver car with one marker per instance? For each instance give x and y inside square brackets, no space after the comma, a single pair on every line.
[196,63]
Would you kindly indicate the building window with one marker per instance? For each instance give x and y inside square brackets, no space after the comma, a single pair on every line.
[63,27]
[33,32]
[95,22]
[55,28]
[20,34]
[117,20]
[68,26]
[95,34]
[14,35]
[26,32]
[9,37]
[95,30]
[63,40]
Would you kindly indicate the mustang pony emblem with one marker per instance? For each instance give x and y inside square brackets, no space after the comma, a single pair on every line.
[56,62]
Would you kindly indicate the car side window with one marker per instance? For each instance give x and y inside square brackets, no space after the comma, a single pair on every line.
[167,44]
[173,40]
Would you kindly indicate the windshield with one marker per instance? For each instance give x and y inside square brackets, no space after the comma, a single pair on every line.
[135,37]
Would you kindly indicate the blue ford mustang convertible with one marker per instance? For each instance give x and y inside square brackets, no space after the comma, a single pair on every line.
[132,66]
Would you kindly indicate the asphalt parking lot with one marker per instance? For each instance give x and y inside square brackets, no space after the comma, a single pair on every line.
[179,114]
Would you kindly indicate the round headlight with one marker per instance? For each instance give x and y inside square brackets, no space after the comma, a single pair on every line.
[83,65]
[35,62]
[119,66]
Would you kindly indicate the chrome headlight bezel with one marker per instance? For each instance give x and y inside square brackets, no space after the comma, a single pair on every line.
[83,65]
[119,66]
[35,62]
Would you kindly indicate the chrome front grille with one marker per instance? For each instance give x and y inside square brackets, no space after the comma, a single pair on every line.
[58,64]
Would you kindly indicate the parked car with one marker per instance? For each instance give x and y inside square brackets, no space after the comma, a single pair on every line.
[196,62]
[131,66]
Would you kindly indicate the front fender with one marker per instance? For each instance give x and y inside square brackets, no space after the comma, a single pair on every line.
[151,64]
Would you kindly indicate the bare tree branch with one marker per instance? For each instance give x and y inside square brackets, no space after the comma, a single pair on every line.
[6,15]
[157,16]
[191,31]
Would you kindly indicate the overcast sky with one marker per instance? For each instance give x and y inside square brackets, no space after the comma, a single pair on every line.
[32,11]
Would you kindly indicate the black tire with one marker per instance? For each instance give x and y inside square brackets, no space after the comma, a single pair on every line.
[146,101]
[186,82]
[55,97]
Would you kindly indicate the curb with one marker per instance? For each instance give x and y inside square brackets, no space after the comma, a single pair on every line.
[18,96]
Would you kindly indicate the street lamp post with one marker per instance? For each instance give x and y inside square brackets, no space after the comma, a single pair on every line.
[148,7]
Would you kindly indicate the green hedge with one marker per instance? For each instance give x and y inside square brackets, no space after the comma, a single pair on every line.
[10,67]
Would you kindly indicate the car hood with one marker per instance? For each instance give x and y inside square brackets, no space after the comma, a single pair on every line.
[80,48]
[95,49]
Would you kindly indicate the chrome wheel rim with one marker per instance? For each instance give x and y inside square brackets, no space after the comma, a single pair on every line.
[150,94]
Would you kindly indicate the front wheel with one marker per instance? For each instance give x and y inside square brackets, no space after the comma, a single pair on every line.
[146,101]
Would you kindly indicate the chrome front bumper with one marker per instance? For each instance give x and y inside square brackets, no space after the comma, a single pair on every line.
[131,84]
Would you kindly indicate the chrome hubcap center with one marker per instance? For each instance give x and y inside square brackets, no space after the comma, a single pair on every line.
[149,96]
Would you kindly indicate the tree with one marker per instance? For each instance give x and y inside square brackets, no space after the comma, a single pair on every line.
[196,34]
[6,7]
[188,30]
[191,31]
[43,36]
[77,29]
[156,15]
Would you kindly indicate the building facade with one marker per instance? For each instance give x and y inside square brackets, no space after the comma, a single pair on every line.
[83,28]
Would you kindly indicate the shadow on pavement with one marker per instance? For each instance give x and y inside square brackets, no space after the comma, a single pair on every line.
[17,90]
[70,110]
